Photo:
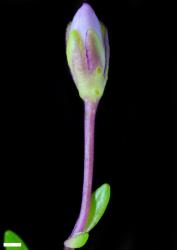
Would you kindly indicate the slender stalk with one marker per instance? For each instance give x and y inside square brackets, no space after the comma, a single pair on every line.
[89,127]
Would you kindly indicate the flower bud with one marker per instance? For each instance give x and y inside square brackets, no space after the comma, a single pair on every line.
[87,50]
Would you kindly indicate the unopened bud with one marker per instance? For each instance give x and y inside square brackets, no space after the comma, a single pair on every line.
[87,49]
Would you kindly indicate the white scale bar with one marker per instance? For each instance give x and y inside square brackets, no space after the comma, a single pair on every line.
[12,244]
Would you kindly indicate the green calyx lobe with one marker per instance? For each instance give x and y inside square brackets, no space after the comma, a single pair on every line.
[99,202]
[90,82]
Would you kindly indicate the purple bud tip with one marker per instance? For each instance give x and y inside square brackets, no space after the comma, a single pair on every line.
[85,19]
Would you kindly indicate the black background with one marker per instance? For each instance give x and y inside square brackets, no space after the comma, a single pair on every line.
[42,126]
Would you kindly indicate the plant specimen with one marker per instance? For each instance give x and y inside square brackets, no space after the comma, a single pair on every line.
[87,50]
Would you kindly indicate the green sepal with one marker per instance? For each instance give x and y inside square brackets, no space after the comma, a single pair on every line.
[99,201]
[11,237]
[95,46]
[77,241]
[74,44]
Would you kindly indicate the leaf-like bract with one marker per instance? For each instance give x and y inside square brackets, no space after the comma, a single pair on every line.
[76,241]
[11,237]
[99,201]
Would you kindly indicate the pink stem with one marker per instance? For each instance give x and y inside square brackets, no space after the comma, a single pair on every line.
[89,126]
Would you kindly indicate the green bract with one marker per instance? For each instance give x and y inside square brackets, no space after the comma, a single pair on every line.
[11,237]
[77,241]
[99,202]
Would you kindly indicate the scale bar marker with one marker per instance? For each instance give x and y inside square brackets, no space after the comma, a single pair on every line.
[12,244]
